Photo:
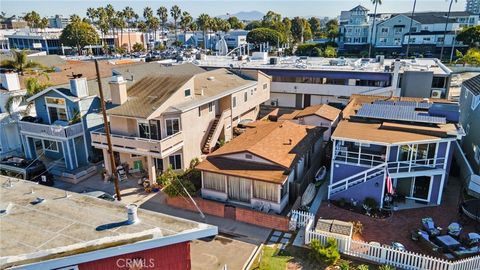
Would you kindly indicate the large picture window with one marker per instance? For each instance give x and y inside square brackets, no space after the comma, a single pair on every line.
[172,125]
[265,191]
[214,181]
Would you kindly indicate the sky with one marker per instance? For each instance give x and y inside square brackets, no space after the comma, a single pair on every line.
[289,8]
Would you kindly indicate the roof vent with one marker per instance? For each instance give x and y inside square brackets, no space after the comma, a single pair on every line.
[132,214]
[211,78]
[289,142]
[6,210]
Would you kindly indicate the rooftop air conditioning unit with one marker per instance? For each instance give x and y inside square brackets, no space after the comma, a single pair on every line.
[436,94]
[274,103]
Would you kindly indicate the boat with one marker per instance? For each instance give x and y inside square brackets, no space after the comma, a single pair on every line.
[321,173]
[308,195]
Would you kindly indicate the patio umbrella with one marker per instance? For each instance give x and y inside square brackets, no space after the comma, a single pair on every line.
[389,185]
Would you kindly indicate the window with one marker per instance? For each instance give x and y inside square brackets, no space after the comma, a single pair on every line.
[383,40]
[188,92]
[251,92]
[440,39]
[265,191]
[56,109]
[426,39]
[265,86]
[175,161]
[55,101]
[248,156]
[384,30]
[210,106]
[50,145]
[475,102]
[213,181]
[199,111]
[245,96]
[172,125]
[234,102]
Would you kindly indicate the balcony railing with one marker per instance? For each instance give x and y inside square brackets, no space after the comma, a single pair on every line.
[355,157]
[160,148]
[51,130]
[415,165]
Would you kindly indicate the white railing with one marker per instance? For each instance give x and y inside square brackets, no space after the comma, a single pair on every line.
[219,128]
[384,254]
[356,179]
[170,144]
[51,130]
[358,157]
[415,165]
[299,219]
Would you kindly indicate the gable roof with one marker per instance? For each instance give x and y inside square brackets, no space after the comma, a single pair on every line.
[359,7]
[323,110]
[61,91]
[430,18]
[278,142]
[473,84]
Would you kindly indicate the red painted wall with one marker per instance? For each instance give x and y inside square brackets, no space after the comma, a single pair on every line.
[173,257]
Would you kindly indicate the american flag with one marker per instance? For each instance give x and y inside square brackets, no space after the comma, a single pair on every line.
[389,185]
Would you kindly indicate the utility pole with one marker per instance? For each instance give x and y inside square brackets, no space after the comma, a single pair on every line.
[107,133]
[410,28]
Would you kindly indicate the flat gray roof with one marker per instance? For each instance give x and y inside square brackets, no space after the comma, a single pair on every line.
[67,226]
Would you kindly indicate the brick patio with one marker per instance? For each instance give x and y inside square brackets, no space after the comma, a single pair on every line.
[397,227]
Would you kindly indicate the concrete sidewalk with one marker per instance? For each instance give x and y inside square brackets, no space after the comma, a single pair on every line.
[228,227]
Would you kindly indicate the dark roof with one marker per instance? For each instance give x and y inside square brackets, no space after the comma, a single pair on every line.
[444,13]
[473,84]
[429,18]
[359,7]
[425,32]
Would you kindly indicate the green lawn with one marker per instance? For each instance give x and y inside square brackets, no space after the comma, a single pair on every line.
[271,258]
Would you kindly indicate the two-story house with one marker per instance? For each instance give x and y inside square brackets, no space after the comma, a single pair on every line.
[406,140]
[265,167]
[60,134]
[177,114]
[470,119]
[354,31]
[10,92]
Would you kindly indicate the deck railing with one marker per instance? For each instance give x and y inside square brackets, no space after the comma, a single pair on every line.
[51,130]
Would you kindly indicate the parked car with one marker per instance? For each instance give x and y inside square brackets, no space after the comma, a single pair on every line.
[31,170]
[100,195]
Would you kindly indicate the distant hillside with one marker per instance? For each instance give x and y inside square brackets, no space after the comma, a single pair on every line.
[245,15]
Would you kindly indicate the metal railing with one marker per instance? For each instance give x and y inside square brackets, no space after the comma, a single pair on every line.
[358,157]
[51,130]
[415,165]
[356,179]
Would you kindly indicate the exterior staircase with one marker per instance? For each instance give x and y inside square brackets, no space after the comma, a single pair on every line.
[207,147]
[356,179]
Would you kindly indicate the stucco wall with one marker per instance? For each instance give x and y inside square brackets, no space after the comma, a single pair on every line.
[371,188]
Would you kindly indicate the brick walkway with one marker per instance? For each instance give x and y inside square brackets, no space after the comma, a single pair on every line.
[397,228]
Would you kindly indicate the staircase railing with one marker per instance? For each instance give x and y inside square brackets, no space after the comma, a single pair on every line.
[218,128]
[355,179]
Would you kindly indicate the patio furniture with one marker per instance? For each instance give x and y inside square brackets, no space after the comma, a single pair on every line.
[448,242]
[463,252]
[472,239]
[430,227]
[454,229]
[424,239]
[122,174]
[398,246]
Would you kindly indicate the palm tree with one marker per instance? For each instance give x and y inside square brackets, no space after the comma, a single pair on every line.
[153,25]
[110,12]
[410,28]
[185,23]
[225,26]
[175,12]
[129,15]
[446,25]
[147,13]
[203,22]
[119,23]
[215,24]
[376,3]
[92,14]
[43,23]
[75,18]
[162,13]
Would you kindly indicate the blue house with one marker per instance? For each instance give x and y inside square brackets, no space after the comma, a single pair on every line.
[402,143]
[60,134]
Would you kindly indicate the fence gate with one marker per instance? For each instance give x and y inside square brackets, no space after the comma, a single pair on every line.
[229,211]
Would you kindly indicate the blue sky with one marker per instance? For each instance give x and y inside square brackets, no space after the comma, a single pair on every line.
[319,8]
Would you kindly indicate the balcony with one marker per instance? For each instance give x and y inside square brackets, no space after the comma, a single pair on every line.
[52,131]
[140,146]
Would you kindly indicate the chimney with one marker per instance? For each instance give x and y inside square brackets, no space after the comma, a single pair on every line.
[78,87]
[118,90]
[396,73]
[132,214]
[10,81]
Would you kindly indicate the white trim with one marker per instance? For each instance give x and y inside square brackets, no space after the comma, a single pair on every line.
[166,129]
[64,106]
[44,149]
[51,89]
[181,160]
[124,249]
[75,152]
[442,183]
[69,153]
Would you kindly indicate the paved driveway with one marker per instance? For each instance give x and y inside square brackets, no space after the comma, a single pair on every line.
[215,254]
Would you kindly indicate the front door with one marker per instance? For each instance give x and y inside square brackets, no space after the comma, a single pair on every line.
[307,100]
[137,165]
[421,187]
[298,101]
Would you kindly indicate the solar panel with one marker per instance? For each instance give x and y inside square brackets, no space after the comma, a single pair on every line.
[405,112]
[421,105]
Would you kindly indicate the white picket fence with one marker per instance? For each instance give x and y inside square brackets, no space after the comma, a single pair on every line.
[299,219]
[385,254]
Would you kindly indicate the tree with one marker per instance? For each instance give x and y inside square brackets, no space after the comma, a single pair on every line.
[185,22]
[253,24]
[471,57]
[327,253]
[332,29]
[162,13]
[153,24]
[225,26]
[330,52]
[263,35]
[203,22]
[43,23]
[470,36]
[32,18]
[235,23]
[147,13]
[92,14]
[215,24]
[79,34]
[119,23]
[75,18]
[110,13]
[376,3]
[315,26]
[19,62]
[287,28]
[301,30]
[446,26]
[175,12]
[128,15]
[138,47]
[271,19]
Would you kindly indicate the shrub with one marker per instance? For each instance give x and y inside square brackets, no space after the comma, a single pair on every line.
[261,35]
[327,254]
[386,267]
[345,265]
[175,183]
[357,227]
[370,202]
[362,267]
